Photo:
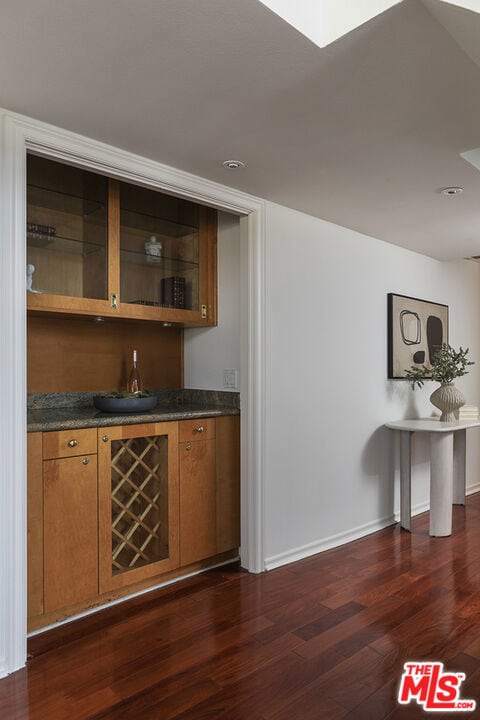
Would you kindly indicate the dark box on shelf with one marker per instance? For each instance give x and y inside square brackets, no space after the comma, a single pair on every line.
[172,292]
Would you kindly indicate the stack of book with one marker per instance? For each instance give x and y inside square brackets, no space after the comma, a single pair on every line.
[467,412]
[173,292]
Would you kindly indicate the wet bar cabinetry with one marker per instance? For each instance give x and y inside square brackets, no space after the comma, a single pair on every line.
[107,248]
[114,510]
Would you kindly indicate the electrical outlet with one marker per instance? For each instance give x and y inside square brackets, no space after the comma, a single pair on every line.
[230,379]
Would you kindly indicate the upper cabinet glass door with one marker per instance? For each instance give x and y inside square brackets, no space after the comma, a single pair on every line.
[98,246]
[159,249]
[67,237]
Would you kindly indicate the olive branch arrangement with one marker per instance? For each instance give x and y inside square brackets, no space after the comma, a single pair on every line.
[447,364]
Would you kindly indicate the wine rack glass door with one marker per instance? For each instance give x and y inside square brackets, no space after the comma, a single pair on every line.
[138,503]
[67,234]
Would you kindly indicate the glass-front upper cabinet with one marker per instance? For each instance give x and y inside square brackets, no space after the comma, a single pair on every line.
[163,253]
[99,246]
[67,238]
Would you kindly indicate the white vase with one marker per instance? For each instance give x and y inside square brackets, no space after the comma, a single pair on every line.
[447,398]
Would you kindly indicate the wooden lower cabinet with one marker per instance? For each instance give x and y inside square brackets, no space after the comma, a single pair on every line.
[209,465]
[158,500]
[198,529]
[138,503]
[70,531]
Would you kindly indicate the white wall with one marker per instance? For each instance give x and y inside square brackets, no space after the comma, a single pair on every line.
[208,351]
[329,460]
[331,467]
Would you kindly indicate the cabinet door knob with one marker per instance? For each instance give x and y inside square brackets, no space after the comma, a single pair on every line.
[105,438]
[200,429]
[85,461]
[72,443]
[188,447]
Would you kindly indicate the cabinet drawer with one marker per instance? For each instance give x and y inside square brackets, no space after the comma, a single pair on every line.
[203,429]
[69,443]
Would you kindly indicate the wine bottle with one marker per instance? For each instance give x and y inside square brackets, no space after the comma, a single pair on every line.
[135,380]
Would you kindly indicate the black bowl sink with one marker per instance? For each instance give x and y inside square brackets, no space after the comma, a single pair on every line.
[124,405]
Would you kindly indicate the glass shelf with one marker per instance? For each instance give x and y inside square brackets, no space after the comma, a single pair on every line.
[135,257]
[153,224]
[58,201]
[60,244]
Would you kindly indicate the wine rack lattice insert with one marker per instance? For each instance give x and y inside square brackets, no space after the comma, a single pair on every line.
[139,468]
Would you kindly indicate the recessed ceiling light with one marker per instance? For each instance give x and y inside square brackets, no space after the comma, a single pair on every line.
[451,191]
[233,164]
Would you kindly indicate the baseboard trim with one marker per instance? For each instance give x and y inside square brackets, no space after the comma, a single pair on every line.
[416,509]
[471,489]
[425,506]
[333,541]
[328,543]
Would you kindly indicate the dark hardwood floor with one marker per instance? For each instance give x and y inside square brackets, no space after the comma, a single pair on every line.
[321,639]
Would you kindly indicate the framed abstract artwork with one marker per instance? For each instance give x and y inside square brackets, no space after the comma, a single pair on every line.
[416,329]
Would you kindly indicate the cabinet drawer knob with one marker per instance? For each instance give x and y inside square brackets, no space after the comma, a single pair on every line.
[188,447]
[85,461]
[200,429]
[72,443]
[105,438]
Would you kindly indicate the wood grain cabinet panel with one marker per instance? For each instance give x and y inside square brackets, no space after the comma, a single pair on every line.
[203,429]
[69,443]
[34,525]
[198,532]
[228,482]
[70,531]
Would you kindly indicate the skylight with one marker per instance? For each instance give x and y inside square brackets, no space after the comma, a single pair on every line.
[324,21]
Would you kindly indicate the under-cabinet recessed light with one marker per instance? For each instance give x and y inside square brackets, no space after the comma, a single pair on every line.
[451,190]
[233,164]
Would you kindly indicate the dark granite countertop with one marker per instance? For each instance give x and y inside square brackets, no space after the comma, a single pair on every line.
[65,411]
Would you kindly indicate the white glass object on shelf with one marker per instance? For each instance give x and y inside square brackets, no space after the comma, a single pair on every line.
[30,270]
[135,379]
[159,249]
[153,250]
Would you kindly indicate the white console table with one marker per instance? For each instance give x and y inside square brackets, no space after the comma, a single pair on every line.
[447,469]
